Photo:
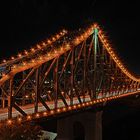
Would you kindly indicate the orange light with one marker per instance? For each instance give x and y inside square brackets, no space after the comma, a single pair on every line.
[33,60]
[32,49]
[38,46]
[91,102]
[19,119]
[19,55]
[29,117]
[58,110]
[64,109]
[44,44]
[49,42]
[12,58]
[94,101]
[9,122]
[52,111]
[45,113]
[40,58]
[37,115]
[87,103]
[25,52]
[74,107]
[53,39]
[57,36]
[4,61]
[83,104]
[79,105]
[26,96]
[69,108]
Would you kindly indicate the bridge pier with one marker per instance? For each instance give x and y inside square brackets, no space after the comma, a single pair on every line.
[84,126]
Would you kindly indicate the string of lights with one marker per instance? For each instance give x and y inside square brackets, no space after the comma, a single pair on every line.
[55,112]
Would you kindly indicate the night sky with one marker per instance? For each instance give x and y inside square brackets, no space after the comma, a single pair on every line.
[25,22]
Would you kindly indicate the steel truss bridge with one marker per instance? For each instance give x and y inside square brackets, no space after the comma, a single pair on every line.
[69,71]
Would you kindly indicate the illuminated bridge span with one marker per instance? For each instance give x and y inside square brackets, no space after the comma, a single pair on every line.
[71,70]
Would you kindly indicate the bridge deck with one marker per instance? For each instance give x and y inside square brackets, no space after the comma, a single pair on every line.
[29,109]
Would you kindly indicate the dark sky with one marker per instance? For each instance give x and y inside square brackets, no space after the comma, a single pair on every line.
[25,22]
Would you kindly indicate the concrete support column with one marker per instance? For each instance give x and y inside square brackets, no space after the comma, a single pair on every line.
[90,126]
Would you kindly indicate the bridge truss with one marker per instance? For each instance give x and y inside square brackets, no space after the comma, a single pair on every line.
[69,71]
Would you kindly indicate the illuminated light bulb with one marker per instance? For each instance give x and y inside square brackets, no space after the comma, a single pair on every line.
[53,39]
[19,119]
[62,92]
[82,37]
[94,102]
[32,49]
[105,41]
[40,58]
[37,115]
[9,122]
[52,112]
[49,41]
[100,100]
[61,33]
[26,96]
[25,52]
[62,49]
[33,60]
[83,104]
[79,105]
[57,36]
[19,55]
[55,51]
[12,58]
[87,103]
[45,113]
[67,45]
[113,54]
[109,48]
[64,109]
[49,54]
[74,107]
[44,44]
[91,102]
[102,36]
[4,61]
[38,46]
[69,108]
[77,40]
[29,117]
[64,31]
[58,110]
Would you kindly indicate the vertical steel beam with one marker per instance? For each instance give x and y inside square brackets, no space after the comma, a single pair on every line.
[24,89]
[56,84]
[72,76]
[36,90]
[84,73]
[95,33]
[10,99]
